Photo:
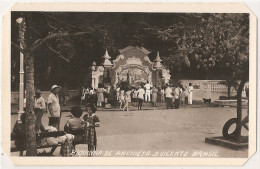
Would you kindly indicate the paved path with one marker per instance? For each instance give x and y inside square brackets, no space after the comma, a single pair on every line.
[174,130]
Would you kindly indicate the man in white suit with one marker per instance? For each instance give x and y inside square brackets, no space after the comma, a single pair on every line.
[148,88]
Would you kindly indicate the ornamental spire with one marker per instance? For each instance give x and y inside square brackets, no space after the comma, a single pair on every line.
[157,64]
[107,62]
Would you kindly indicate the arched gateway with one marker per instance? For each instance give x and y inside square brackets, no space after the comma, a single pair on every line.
[132,65]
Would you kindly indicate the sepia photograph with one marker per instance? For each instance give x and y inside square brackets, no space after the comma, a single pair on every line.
[157,84]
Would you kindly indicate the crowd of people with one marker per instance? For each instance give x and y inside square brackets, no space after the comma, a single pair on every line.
[121,96]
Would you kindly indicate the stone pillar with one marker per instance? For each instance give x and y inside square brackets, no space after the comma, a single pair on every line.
[97,75]
[158,72]
[107,66]
[158,82]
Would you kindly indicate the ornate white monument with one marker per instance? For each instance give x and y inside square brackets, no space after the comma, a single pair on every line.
[132,65]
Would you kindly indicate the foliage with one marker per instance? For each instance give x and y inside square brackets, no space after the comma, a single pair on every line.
[211,42]
[191,45]
[229,83]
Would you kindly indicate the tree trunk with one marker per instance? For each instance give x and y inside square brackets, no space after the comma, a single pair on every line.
[31,146]
[239,105]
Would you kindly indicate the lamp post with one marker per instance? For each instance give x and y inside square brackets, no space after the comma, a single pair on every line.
[21,23]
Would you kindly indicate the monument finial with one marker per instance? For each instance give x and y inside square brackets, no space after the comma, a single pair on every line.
[107,62]
[157,64]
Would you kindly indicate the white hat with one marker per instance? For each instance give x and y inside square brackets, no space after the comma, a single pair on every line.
[55,86]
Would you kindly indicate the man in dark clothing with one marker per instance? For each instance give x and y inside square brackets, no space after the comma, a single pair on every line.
[64,95]
[177,97]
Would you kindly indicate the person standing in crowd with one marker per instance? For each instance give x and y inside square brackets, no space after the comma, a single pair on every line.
[168,97]
[65,94]
[92,97]
[118,92]
[100,95]
[83,95]
[127,99]
[148,87]
[112,96]
[122,98]
[177,97]
[182,95]
[190,89]
[135,98]
[162,95]
[39,108]
[105,93]
[92,121]
[154,96]
[54,107]
[140,96]
[186,95]
[87,96]
[159,95]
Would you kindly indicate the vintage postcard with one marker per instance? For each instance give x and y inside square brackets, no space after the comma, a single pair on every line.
[129,84]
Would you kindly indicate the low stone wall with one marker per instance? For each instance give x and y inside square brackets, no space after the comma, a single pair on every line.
[216,89]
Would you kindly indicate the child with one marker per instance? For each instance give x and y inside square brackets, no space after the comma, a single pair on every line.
[75,123]
[92,121]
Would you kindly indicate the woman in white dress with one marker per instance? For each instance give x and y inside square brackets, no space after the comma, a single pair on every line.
[190,89]
[122,98]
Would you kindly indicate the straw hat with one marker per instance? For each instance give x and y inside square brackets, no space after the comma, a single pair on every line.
[54,87]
